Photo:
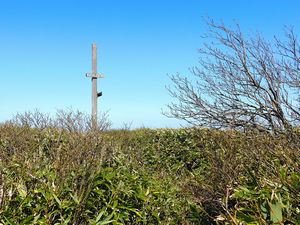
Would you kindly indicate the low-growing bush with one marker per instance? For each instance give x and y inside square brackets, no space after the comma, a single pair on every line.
[212,167]
[58,175]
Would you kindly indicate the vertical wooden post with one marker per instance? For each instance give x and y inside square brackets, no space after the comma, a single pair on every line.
[94,75]
[94,86]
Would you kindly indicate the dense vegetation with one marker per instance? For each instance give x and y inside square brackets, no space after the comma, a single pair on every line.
[51,175]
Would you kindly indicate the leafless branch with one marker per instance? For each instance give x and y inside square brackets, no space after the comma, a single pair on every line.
[241,83]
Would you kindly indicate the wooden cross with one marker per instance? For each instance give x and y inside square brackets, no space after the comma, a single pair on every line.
[95,94]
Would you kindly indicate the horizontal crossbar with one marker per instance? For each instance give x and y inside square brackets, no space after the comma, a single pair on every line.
[94,75]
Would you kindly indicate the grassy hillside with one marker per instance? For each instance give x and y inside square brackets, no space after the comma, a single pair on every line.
[164,176]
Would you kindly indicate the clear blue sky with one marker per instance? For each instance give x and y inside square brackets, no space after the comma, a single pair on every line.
[45,50]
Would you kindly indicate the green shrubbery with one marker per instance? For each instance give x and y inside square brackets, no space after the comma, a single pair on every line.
[227,175]
[164,176]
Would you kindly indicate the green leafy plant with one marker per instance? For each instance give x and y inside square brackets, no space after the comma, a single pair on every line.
[52,175]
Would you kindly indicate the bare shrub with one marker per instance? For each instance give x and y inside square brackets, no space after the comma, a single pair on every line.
[241,83]
[75,121]
[34,119]
[67,119]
